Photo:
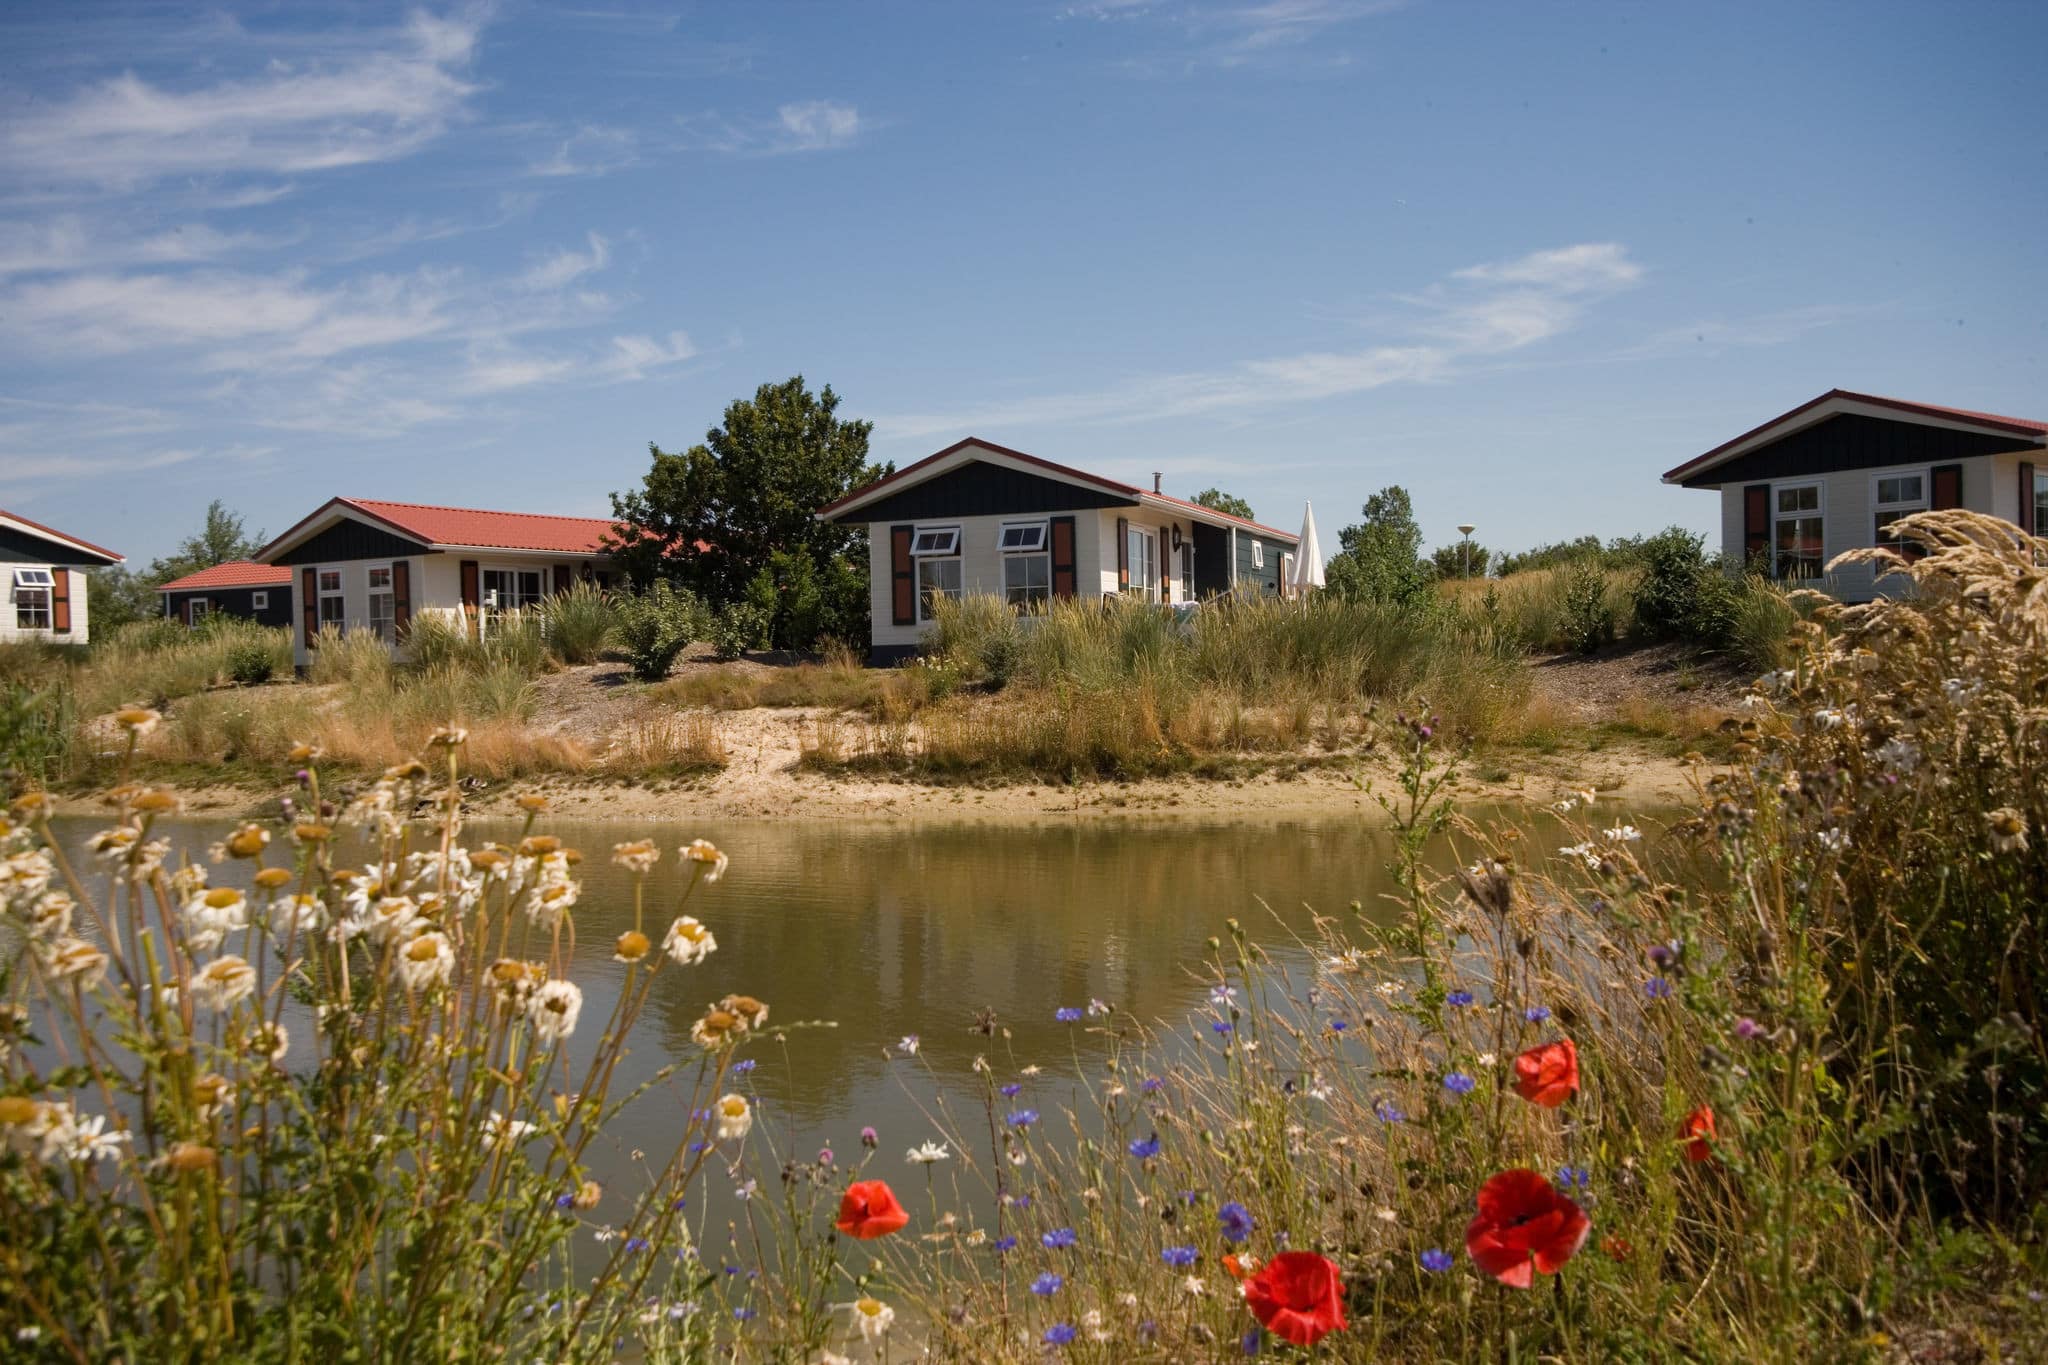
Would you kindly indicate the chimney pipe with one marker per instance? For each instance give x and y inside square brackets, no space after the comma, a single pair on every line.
[1156,477]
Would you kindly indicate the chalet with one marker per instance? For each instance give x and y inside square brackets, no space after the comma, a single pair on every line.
[1831,474]
[365,565]
[45,574]
[239,587]
[980,518]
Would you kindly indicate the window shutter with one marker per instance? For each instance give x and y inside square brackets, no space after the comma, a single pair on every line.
[561,578]
[2026,522]
[1063,557]
[1123,555]
[472,599]
[309,579]
[1946,489]
[60,601]
[1165,574]
[902,587]
[401,597]
[1756,525]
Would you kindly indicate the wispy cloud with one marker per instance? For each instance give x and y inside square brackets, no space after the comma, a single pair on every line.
[1478,312]
[803,126]
[76,242]
[1774,328]
[1205,34]
[589,151]
[563,267]
[365,106]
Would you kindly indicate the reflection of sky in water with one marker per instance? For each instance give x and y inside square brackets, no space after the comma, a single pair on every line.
[895,930]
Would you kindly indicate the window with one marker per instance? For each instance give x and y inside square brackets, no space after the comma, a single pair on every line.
[330,580]
[943,540]
[505,589]
[196,611]
[2040,503]
[1286,573]
[1020,537]
[331,610]
[32,589]
[1141,559]
[1258,554]
[1027,581]
[937,551]
[1796,527]
[259,600]
[1893,496]
[382,615]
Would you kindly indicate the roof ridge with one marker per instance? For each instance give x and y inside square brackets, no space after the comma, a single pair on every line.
[475,511]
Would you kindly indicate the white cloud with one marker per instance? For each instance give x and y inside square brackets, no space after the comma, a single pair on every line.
[1483,310]
[74,242]
[804,126]
[817,124]
[370,105]
[634,357]
[563,266]
[1270,34]
[590,150]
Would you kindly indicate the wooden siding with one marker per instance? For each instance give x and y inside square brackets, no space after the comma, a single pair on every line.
[236,602]
[1259,579]
[1854,441]
[351,539]
[25,547]
[1212,560]
[980,489]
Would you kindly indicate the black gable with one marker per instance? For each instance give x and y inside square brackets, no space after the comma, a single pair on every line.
[1854,441]
[351,539]
[981,489]
[18,546]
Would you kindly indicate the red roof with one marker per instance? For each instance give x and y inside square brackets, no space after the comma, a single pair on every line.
[470,526]
[236,573]
[2021,426]
[113,556]
[1130,491]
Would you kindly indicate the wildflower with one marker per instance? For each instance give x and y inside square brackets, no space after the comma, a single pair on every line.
[550,900]
[588,1194]
[638,857]
[1436,1260]
[554,1008]
[1898,754]
[1222,995]
[1458,999]
[1059,1334]
[1657,988]
[1536,1014]
[1097,1008]
[1145,1148]
[1221,1028]
[1387,1112]
[702,851]
[869,1209]
[138,720]
[222,983]
[1194,1286]
[1616,1248]
[751,1012]
[1046,1285]
[1004,1244]
[1010,1090]
[1747,1028]
[448,737]
[1023,1118]
[1833,840]
[1152,1085]
[1524,1226]
[1573,1177]
[1180,1258]
[1828,718]
[1697,1133]
[688,942]
[1067,1014]
[267,1040]
[716,1029]
[1548,1075]
[735,1117]
[874,1317]
[1623,834]
[427,961]
[1092,1320]
[908,1045]
[741,1068]
[500,1130]
[212,915]
[1458,1083]
[1059,1239]
[927,1153]
[868,1138]
[1236,1221]
[1298,1296]
[2008,830]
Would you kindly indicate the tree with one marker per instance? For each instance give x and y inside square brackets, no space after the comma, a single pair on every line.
[715,515]
[219,541]
[114,597]
[1450,560]
[1216,500]
[1381,558]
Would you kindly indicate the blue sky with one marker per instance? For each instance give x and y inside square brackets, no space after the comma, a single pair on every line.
[1519,258]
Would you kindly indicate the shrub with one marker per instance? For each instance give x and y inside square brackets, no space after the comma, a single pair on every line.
[1588,620]
[251,664]
[739,627]
[578,623]
[1683,594]
[656,626]
[354,657]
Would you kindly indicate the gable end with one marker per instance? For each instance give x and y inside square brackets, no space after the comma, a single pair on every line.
[1854,441]
[351,539]
[981,489]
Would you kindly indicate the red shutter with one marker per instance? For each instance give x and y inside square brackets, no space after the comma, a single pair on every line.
[561,578]
[1165,573]
[401,597]
[472,599]
[902,587]
[60,600]
[1947,487]
[1756,526]
[1123,555]
[1063,557]
[310,578]
[2026,521]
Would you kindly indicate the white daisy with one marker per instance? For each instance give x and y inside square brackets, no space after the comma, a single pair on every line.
[688,941]
[554,1008]
[874,1318]
[223,983]
[735,1116]
[927,1153]
[427,960]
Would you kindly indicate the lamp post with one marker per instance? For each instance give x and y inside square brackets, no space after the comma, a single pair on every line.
[1466,531]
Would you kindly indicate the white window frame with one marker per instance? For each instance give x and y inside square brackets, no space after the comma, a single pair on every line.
[26,577]
[935,542]
[197,609]
[1040,593]
[2040,494]
[259,600]
[1031,538]
[1819,512]
[322,595]
[1920,504]
[383,615]
[1141,561]
[35,599]
[936,545]
[1258,554]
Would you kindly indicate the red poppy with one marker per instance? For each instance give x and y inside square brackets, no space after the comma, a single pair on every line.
[1235,1266]
[1697,1133]
[1298,1296]
[1617,1248]
[1548,1075]
[869,1209]
[1524,1225]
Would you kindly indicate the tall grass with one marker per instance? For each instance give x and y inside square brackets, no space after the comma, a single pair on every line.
[579,624]
[154,662]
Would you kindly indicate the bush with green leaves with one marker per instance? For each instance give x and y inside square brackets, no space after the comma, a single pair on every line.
[578,623]
[742,626]
[657,625]
[1683,594]
[251,664]
[1588,620]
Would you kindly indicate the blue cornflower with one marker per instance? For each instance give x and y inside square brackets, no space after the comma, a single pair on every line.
[565,1201]
[1459,998]
[1387,1112]
[1436,1260]
[1189,1197]
[1657,988]
[1059,1334]
[1458,1083]
[1004,1244]
[1059,1239]
[681,1203]
[696,1147]
[1338,1026]
[1046,1285]
[1536,1014]
[1236,1220]
[1067,1014]
[1010,1091]
[1022,1201]
[1221,1028]
[1153,1085]
[634,1244]
[1249,1343]
[1145,1148]
[1574,1177]
[700,1116]
[1023,1118]
[743,1314]
[742,1068]
[1180,1258]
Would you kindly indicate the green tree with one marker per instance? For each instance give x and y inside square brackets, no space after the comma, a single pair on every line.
[715,515]
[219,540]
[114,597]
[1450,560]
[1381,559]
[1216,500]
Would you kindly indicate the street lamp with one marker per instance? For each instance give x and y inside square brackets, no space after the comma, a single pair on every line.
[1466,531]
